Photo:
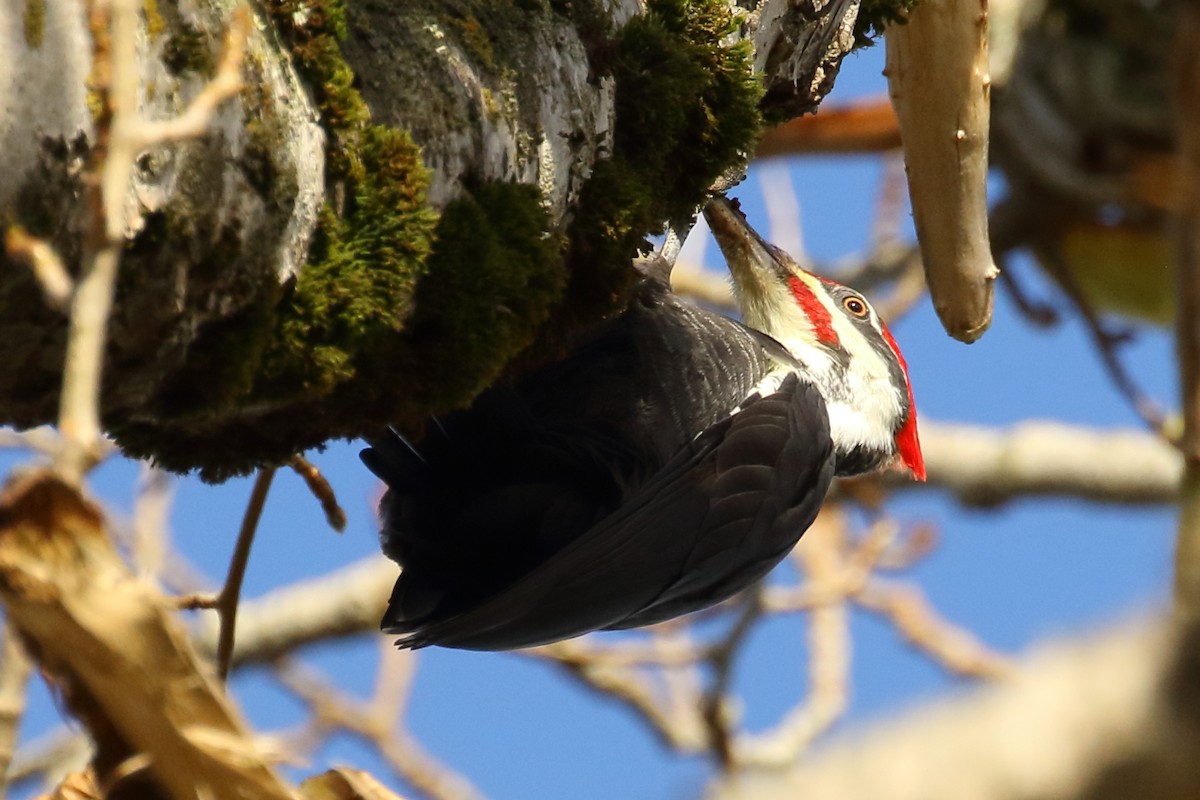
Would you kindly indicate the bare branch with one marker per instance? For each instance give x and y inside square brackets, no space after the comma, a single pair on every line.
[829,644]
[865,127]
[715,704]
[121,136]
[954,648]
[373,722]
[1077,720]
[987,466]
[347,602]
[938,81]
[14,678]
[710,288]
[231,593]
[43,439]
[1108,340]
[321,489]
[49,757]
[1187,316]
[224,85]
[57,284]
[150,513]
[679,727]
[109,643]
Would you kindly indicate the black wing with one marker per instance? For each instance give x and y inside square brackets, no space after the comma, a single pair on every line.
[716,518]
[497,495]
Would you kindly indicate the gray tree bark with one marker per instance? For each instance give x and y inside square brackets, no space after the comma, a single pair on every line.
[287,278]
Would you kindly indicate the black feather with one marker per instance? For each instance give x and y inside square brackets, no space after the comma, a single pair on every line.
[616,488]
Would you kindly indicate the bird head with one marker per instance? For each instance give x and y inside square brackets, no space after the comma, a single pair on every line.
[836,337]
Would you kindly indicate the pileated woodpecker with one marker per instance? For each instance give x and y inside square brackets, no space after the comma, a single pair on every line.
[671,460]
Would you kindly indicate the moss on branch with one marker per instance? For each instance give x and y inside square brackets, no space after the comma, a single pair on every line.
[401,312]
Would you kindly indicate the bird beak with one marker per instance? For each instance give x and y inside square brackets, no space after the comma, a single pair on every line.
[775,294]
[755,264]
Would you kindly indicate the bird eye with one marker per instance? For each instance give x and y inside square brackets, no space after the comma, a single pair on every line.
[855,305]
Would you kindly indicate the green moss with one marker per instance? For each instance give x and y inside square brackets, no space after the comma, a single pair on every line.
[474,38]
[400,314]
[686,111]
[314,28]
[369,250]
[494,277]
[362,270]
[154,20]
[686,104]
[224,361]
[34,20]
[875,15]
[187,50]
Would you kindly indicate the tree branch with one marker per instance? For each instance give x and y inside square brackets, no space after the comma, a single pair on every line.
[14,678]
[1187,325]
[229,599]
[109,644]
[988,466]
[1077,719]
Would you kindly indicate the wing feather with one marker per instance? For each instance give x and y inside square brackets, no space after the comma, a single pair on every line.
[679,542]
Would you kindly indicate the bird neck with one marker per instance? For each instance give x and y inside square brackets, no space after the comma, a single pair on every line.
[860,400]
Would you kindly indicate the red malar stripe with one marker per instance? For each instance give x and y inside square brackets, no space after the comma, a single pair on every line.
[817,313]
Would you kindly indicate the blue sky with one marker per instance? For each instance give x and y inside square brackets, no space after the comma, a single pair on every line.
[1028,570]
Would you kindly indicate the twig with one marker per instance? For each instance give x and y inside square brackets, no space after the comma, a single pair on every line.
[909,289]
[49,757]
[45,264]
[14,678]
[658,651]
[196,601]
[682,683]
[869,126]
[1187,316]
[393,682]
[345,602]
[121,136]
[680,728]
[890,203]
[1107,342]
[819,557]
[224,85]
[150,512]
[715,703]
[136,764]
[916,543]
[374,723]
[784,221]
[231,592]
[321,489]
[43,439]
[952,647]
[114,27]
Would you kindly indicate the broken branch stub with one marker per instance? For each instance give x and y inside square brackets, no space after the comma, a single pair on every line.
[937,73]
[109,644]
